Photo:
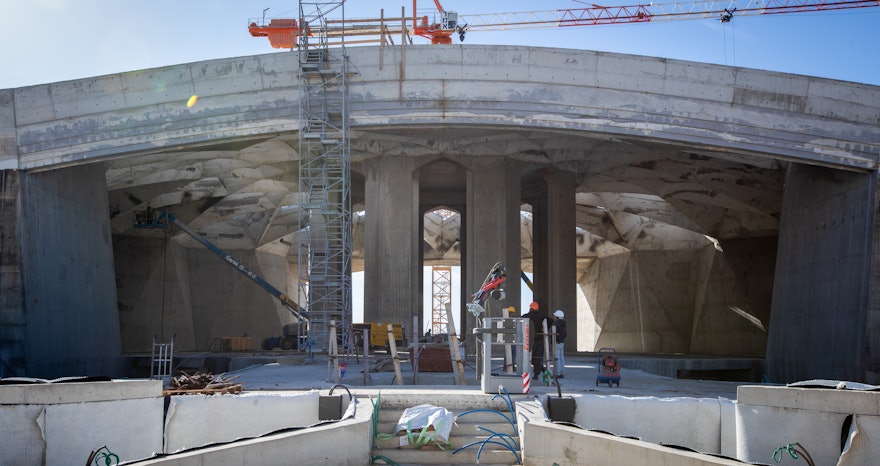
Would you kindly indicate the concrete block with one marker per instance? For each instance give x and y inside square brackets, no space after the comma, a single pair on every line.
[863,112]
[631,73]
[198,420]
[698,81]
[226,76]
[770,82]
[769,100]
[813,399]
[770,416]
[278,70]
[853,93]
[88,96]
[545,443]
[22,435]
[346,442]
[78,392]
[131,429]
[33,104]
[158,85]
[690,422]
[7,112]
[62,423]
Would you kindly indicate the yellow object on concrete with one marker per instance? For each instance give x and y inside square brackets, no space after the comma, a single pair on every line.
[379,333]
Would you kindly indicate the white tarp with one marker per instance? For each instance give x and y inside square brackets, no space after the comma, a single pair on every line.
[688,422]
[421,417]
[198,420]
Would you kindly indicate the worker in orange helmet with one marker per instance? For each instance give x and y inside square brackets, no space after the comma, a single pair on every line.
[536,316]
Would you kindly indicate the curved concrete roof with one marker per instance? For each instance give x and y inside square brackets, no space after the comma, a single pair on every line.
[665,152]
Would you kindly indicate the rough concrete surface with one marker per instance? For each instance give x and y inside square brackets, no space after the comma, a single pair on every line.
[298,373]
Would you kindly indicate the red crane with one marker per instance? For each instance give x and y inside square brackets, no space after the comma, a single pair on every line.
[282,32]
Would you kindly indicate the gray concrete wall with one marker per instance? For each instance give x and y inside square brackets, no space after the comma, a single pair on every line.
[872,324]
[688,301]
[194,295]
[72,322]
[820,297]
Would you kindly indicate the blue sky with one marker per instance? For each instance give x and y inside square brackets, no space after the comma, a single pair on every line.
[55,40]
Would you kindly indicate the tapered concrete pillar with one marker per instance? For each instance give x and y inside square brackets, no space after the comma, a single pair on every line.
[72,320]
[554,252]
[819,323]
[392,241]
[493,229]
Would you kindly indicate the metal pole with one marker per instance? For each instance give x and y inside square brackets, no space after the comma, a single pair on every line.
[366,356]
[546,345]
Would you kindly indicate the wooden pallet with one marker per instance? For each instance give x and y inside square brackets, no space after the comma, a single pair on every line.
[213,389]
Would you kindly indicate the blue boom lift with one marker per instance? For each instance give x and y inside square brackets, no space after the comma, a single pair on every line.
[150,219]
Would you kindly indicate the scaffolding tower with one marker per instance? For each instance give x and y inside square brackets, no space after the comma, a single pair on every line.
[441,295]
[324,264]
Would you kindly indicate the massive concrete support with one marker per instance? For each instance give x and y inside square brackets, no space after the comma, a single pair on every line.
[493,230]
[71,319]
[819,325]
[551,194]
[391,266]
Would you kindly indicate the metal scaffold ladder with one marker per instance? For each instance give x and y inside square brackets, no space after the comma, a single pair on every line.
[324,268]
[441,296]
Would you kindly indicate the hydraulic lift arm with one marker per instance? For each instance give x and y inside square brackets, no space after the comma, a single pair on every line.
[164,218]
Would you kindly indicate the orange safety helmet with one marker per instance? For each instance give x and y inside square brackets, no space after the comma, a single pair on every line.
[533,306]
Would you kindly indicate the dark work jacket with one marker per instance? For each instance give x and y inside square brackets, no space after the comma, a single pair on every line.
[536,317]
[560,330]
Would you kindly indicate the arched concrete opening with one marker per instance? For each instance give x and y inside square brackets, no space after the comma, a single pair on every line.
[443,204]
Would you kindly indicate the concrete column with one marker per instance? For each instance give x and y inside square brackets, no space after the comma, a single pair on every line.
[72,321]
[872,326]
[554,252]
[818,319]
[12,314]
[391,241]
[493,230]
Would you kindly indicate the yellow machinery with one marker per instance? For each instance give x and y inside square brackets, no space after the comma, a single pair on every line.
[379,335]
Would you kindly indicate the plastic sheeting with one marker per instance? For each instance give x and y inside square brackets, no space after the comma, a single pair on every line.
[695,423]
[199,420]
[428,417]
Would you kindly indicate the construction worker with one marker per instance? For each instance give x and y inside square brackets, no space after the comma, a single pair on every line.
[559,322]
[536,316]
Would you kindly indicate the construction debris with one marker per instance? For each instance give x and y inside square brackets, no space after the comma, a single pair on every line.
[202,382]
